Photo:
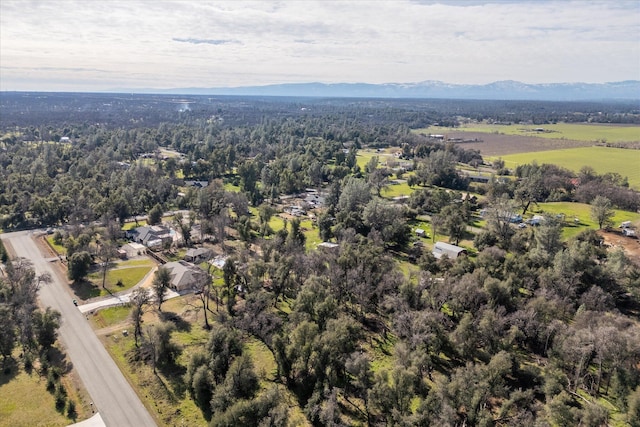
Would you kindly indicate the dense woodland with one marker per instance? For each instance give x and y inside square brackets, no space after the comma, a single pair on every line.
[530,330]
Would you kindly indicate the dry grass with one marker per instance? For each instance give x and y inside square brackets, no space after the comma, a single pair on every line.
[165,394]
[25,401]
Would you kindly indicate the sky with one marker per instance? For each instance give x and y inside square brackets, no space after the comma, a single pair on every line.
[66,45]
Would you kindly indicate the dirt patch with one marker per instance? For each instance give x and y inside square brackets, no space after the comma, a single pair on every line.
[491,144]
[114,329]
[630,245]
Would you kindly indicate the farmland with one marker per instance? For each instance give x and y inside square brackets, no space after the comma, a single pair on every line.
[601,159]
[374,329]
[581,212]
[571,131]
[500,140]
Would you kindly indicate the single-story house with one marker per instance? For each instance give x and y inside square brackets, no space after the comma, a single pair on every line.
[452,251]
[153,237]
[535,220]
[184,275]
[197,255]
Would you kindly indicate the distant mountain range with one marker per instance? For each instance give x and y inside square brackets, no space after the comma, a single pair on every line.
[502,90]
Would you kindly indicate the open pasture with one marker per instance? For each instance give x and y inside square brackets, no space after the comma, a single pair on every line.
[626,162]
[581,212]
[588,132]
[384,155]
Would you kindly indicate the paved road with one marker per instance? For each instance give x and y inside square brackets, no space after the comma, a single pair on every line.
[112,395]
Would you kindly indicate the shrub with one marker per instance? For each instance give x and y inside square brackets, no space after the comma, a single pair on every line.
[61,400]
[51,382]
[71,410]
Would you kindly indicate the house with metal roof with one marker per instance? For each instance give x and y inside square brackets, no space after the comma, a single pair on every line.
[441,249]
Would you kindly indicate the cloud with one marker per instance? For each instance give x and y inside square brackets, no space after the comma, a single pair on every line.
[71,69]
[205,41]
[163,44]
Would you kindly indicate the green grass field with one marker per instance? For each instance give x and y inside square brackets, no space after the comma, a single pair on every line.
[264,362]
[110,316]
[129,276]
[276,223]
[572,131]
[311,233]
[230,187]
[130,272]
[363,156]
[582,212]
[395,190]
[132,225]
[58,248]
[601,159]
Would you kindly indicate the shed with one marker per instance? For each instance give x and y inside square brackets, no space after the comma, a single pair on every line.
[420,232]
[452,251]
[134,249]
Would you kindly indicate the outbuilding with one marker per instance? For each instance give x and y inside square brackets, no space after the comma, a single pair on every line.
[197,255]
[441,249]
[328,246]
[134,249]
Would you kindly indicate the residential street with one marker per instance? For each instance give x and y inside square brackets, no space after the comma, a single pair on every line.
[112,395]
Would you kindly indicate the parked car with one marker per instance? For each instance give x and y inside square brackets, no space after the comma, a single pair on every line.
[629,232]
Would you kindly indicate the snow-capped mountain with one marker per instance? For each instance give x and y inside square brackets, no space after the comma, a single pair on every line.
[501,90]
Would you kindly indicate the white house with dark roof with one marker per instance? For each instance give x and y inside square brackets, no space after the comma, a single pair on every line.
[153,237]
